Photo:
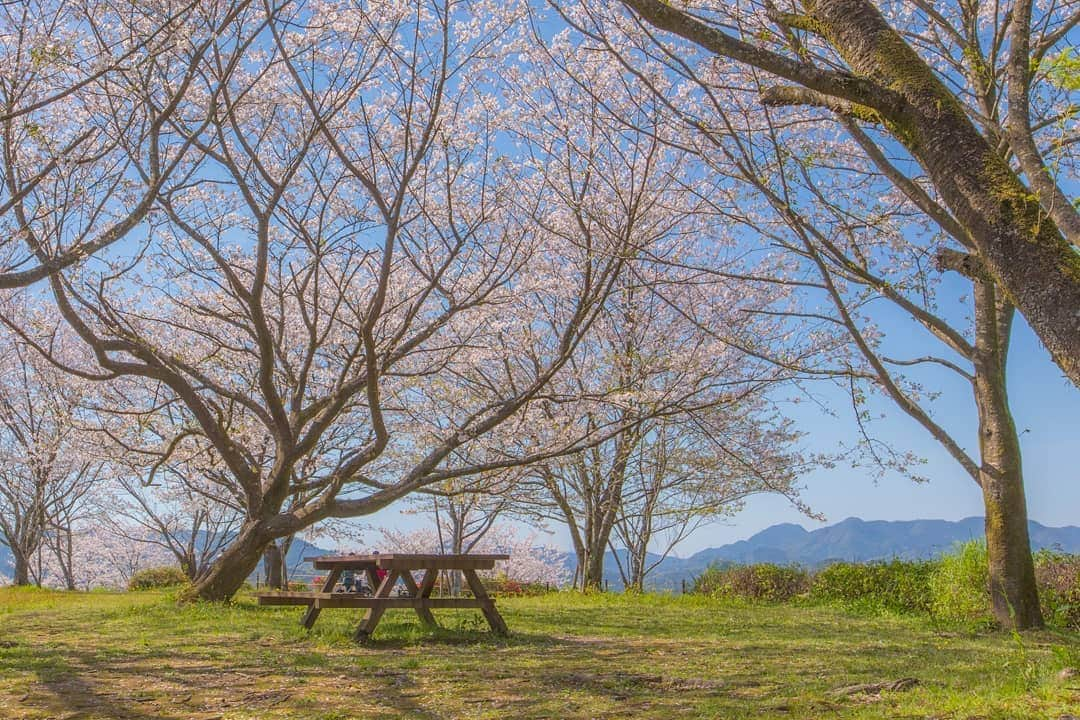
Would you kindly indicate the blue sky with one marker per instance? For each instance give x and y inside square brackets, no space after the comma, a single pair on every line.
[1046,407]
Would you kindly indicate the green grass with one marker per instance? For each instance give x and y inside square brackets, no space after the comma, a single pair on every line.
[140,655]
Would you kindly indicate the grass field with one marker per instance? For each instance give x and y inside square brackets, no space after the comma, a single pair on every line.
[140,655]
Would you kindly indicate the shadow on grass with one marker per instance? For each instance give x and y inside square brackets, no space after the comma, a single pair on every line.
[66,684]
[186,685]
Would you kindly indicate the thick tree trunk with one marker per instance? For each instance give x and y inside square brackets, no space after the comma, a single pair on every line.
[272,566]
[1019,245]
[1014,595]
[22,568]
[593,575]
[236,562]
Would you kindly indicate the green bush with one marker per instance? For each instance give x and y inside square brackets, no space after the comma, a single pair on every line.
[954,588]
[764,581]
[959,586]
[1058,577]
[508,587]
[157,577]
[898,585]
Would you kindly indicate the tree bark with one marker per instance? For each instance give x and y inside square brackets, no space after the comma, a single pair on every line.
[593,577]
[235,564]
[1013,592]
[64,552]
[22,568]
[638,559]
[1019,245]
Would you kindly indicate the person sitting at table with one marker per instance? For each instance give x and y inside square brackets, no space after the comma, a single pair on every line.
[379,572]
[348,580]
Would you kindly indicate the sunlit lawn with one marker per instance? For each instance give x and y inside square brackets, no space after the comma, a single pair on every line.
[104,655]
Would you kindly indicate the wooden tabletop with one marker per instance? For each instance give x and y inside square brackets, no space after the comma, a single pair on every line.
[407,561]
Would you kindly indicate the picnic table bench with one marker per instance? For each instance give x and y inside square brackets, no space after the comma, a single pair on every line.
[396,566]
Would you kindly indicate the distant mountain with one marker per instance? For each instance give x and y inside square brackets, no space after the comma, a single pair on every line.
[299,568]
[851,539]
[7,565]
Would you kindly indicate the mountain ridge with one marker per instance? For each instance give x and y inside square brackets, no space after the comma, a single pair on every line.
[851,539]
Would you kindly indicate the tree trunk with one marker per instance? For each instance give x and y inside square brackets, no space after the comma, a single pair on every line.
[272,566]
[1017,243]
[1014,595]
[233,566]
[593,576]
[286,544]
[22,568]
[65,552]
[637,573]
[457,546]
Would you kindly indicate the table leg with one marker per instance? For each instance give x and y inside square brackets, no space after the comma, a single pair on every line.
[374,614]
[487,605]
[373,580]
[425,613]
[328,586]
[428,583]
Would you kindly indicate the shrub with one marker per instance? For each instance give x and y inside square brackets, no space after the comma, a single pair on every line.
[157,577]
[505,586]
[1058,577]
[764,581]
[898,585]
[297,585]
[959,586]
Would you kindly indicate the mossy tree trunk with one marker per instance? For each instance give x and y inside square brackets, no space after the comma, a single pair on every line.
[888,83]
[1017,242]
[1023,259]
[1013,592]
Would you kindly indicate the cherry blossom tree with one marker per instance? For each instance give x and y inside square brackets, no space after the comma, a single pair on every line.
[865,260]
[692,470]
[967,90]
[88,91]
[46,463]
[182,515]
[99,555]
[861,234]
[349,243]
[530,561]
[654,354]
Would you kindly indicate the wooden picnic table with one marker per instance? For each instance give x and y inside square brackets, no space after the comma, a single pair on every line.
[396,566]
